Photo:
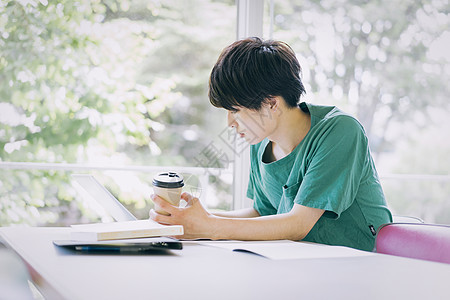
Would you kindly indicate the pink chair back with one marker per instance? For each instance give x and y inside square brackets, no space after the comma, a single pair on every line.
[422,241]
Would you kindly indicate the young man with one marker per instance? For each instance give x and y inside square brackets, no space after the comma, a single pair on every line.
[312,176]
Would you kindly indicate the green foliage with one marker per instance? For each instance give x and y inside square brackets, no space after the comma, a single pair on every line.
[67,76]
[93,81]
[375,58]
[428,197]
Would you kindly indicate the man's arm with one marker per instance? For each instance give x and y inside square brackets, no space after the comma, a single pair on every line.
[198,223]
[294,225]
[240,213]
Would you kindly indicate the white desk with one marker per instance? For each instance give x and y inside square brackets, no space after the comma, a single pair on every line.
[203,272]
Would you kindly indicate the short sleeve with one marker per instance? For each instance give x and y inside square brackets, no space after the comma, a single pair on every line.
[260,203]
[251,186]
[334,173]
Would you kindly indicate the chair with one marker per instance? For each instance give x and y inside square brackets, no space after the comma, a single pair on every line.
[406,219]
[415,240]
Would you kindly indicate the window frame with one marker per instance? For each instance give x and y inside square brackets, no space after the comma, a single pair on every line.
[249,23]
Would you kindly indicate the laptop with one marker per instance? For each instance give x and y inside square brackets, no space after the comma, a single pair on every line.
[100,194]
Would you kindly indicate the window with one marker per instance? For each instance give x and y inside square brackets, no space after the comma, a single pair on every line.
[387,63]
[117,88]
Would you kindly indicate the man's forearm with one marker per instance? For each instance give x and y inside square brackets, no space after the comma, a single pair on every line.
[294,225]
[273,227]
[240,213]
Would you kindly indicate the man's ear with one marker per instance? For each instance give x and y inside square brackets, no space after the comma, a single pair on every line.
[274,103]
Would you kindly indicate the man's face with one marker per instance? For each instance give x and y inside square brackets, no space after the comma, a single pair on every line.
[253,126]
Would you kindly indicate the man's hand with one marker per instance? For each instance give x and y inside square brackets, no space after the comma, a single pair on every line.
[197,222]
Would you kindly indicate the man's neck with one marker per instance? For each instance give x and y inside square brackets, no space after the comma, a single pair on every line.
[292,128]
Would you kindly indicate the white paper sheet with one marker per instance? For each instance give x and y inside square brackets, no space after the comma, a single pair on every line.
[278,250]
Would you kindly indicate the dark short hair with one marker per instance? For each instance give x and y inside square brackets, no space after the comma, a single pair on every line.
[251,71]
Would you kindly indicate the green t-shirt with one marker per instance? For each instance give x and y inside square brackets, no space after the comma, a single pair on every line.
[331,169]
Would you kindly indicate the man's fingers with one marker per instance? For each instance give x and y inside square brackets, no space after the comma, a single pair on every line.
[162,219]
[188,198]
[163,204]
[156,198]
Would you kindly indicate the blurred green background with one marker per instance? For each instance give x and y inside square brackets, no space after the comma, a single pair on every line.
[124,83]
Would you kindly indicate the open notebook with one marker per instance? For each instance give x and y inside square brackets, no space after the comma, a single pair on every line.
[127,225]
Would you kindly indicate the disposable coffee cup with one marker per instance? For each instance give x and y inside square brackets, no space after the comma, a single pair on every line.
[168,186]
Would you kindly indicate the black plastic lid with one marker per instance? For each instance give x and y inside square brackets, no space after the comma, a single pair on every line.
[168,180]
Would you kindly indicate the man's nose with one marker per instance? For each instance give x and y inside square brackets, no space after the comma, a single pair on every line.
[231,120]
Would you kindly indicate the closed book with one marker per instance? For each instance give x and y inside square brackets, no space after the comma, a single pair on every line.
[123,230]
